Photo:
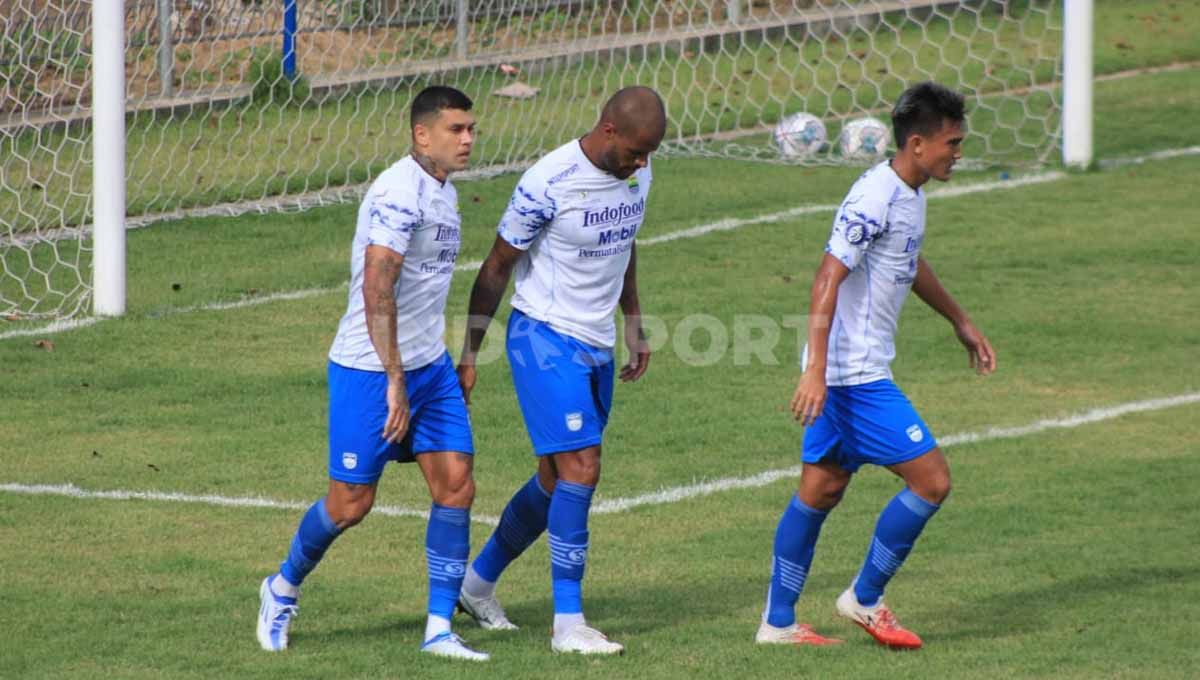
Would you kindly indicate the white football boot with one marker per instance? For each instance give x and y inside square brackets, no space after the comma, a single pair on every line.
[275,614]
[486,611]
[451,646]
[584,640]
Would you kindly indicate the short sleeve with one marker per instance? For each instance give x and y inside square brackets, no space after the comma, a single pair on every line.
[859,221]
[529,210]
[393,215]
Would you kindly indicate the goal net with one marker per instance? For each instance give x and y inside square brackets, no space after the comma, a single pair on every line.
[221,119]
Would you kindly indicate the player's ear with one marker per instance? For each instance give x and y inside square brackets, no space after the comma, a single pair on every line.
[420,135]
[916,142]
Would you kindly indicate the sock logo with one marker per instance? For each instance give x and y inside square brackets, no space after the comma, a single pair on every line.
[575,421]
[578,555]
[915,433]
[349,460]
[454,569]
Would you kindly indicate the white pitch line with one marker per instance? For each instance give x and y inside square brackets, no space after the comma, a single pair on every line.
[615,505]
[72,491]
[1156,156]
[55,327]
[729,224]
[679,493]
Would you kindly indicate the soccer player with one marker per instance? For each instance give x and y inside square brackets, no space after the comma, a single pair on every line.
[569,233]
[393,390]
[853,412]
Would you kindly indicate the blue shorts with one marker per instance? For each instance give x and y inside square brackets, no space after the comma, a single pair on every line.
[871,423]
[564,386]
[358,409]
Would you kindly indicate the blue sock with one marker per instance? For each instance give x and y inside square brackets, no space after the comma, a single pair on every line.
[899,525]
[795,540]
[447,544]
[524,519]
[313,538]
[568,544]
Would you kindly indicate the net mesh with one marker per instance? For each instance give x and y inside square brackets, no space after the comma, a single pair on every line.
[218,121]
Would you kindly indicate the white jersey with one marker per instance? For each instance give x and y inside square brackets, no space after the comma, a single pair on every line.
[877,234]
[410,212]
[578,224]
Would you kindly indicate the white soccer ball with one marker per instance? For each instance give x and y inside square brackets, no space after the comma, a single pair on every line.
[864,139]
[799,135]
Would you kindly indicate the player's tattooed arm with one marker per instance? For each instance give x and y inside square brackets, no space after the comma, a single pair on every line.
[381,271]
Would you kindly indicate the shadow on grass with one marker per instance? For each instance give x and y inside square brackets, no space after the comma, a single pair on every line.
[1015,612]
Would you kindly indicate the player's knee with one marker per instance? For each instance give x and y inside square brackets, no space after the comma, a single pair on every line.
[457,492]
[942,490]
[348,504]
[824,495]
[349,513]
[834,494]
[581,470]
[547,476]
[935,490]
[828,496]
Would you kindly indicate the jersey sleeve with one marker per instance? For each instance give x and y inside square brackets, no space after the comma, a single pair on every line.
[529,210]
[393,214]
[860,220]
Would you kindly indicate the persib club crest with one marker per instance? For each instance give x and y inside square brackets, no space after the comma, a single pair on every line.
[349,460]
[915,433]
[632,183]
[575,421]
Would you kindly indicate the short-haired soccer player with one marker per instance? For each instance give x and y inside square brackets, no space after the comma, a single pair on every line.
[569,233]
[853,412]
[393,390]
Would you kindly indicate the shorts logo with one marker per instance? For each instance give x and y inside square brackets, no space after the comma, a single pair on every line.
[454,569]
[575,421]
[915,433]
[349,460]
[578,555]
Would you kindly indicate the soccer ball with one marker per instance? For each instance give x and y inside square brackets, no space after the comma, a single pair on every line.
[864,139]
[799,135]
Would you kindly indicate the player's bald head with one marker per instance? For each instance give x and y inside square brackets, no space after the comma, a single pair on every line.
[636,112]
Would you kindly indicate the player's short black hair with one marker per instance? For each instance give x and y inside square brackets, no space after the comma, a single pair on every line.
[433,99]
[923,108]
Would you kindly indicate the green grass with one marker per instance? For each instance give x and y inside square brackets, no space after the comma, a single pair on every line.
[1063,554]
[250,152]
[1066,554]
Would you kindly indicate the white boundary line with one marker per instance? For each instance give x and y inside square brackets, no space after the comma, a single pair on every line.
[615,505]
[679,493]
[72,491]
[729,224]
[1109,163]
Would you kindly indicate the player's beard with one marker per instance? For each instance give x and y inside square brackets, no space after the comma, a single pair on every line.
[612,164]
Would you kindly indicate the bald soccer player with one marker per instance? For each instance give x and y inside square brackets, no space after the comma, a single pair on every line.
[569,232]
